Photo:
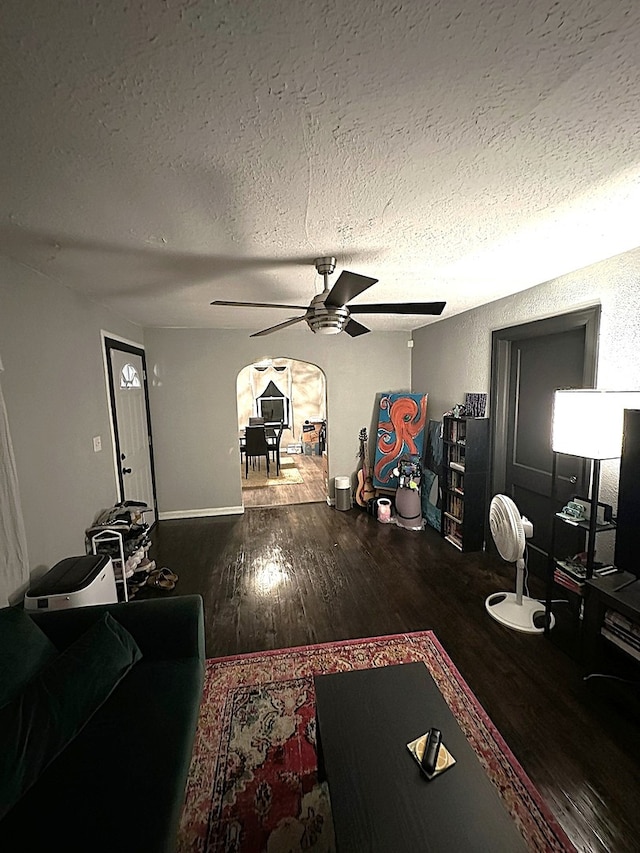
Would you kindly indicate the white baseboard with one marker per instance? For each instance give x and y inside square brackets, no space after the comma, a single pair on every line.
[201,513]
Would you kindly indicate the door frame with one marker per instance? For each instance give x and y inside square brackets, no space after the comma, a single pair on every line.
[291,412]
[111,342]
[501,345]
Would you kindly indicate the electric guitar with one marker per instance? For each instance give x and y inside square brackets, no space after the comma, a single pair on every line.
[364,491]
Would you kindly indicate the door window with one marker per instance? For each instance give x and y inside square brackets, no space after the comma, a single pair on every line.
[129,377]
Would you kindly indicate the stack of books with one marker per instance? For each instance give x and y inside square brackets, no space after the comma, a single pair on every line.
[455,508]
[571,574]
[622,632]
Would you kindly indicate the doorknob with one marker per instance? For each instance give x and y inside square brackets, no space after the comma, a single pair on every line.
[573,480]
[126,470]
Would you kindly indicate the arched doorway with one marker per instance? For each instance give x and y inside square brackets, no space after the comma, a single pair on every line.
[294,392]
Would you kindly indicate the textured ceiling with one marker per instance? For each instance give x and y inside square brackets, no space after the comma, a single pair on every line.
[159,155]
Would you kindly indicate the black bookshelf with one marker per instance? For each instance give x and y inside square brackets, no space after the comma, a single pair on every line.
[465,481]
[628,516]
[567,579]
[611,642]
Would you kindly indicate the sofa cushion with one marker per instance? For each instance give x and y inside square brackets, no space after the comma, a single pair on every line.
[120,784]
[24,650]
[54,706]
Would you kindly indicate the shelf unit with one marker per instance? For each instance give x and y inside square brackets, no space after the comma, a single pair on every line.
[611,624]
[121,533]
[567,578]
[612,636]
[110,542]
[465,481]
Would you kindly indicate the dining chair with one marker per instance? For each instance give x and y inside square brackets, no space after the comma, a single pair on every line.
[274,444]
[256,446]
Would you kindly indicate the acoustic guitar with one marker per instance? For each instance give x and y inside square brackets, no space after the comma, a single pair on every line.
[364,491]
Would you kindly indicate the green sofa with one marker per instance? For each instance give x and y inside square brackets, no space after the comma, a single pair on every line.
[98,714]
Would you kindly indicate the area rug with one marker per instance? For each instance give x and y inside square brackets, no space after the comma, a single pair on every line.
[253,780]
[289,476]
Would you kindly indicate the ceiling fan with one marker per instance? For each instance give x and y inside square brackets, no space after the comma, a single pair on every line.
[328,314]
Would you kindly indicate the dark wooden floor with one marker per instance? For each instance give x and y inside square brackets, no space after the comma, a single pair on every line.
[295,575]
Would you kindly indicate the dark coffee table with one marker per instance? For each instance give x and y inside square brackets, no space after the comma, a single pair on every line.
[380,799]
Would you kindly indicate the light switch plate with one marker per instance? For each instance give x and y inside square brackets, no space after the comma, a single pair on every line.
[97,444]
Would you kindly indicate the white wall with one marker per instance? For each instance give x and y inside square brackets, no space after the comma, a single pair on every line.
[194,404]
[55,393]
[454,355]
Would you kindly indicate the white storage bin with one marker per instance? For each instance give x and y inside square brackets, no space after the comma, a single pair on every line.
[74,582]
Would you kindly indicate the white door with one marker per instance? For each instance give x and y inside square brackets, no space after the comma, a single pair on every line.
[132,429]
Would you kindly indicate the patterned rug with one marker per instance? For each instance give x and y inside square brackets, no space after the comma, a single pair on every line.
[253,779]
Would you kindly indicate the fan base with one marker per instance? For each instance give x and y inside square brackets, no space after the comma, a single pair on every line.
[528,617]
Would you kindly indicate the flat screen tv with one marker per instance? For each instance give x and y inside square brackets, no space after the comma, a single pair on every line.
[273,409]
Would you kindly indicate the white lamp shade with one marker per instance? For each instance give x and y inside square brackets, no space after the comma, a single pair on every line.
[588,423]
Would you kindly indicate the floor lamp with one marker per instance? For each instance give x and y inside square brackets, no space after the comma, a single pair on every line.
[588,423]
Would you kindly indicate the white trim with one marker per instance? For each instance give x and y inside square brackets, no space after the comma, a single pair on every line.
[201,513]
[331,501]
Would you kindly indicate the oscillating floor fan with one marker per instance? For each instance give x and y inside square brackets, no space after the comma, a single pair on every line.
[510,530]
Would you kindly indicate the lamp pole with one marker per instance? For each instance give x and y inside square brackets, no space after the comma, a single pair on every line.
[593,520]
[550,555]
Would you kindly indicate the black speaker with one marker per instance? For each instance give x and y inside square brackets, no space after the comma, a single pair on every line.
[627,550]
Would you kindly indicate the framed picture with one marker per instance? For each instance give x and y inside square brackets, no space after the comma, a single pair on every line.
[401,422]
[475,405]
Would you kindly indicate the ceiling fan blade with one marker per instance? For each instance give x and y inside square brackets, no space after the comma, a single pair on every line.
[258,305]
[277,328]
[348,285]
[399,308]
[355,329]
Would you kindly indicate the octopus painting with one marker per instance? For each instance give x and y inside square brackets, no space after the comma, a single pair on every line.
[400,433]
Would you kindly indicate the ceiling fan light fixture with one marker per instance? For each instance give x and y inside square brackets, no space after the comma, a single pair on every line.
[326,321]
[326,326]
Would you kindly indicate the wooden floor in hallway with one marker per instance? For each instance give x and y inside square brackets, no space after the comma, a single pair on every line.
[311,490]
[307,573]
